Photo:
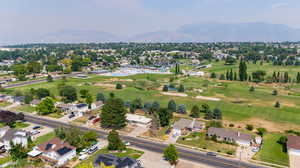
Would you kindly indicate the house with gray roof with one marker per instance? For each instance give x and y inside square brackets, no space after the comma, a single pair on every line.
[15,136]
[223,134]
[187,125]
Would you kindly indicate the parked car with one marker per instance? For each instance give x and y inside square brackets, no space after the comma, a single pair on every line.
[92,150]
[36,127]
[71,116]
[211,154]
[83,157]
[34,132]
[92,117]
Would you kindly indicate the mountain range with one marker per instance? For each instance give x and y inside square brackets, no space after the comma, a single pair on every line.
[198,32]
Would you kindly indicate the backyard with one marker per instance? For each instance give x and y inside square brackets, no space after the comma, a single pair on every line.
[272,151]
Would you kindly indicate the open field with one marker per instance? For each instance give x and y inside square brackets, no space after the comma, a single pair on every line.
[272,151]
[236,102]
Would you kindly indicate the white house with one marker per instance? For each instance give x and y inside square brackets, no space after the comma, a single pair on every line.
[186,124]
[81,109]
[54,151]
[138,120]
[8,135]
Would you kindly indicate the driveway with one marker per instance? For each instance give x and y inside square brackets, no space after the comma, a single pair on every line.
[294,161]
[44,130]
[138,130]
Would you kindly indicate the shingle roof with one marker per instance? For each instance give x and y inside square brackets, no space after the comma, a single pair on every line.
[293,142]
[56,145]
[13,133]
[182,123]
[109,160]
[227,133]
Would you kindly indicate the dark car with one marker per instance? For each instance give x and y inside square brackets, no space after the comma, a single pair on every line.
[36,127]
[211,154]
[71,115]
[92,117]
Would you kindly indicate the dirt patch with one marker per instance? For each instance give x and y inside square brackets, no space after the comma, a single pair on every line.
[120,80]
[208,98]
[174,94]
[269,125]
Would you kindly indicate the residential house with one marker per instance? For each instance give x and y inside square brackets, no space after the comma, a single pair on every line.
[117,162]
[55,151]
[223,134]
[183,125]
[138,120]
[35,102]
[293,147]
[15,136]
[81,109]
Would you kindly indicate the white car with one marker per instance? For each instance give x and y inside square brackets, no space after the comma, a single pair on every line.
[83,157]
[34,132]
[127,143]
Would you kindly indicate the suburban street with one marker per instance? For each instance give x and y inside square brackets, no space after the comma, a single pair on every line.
[187,154]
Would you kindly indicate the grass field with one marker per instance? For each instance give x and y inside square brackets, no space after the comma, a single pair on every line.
[237,103]
[4,104]
[24,108]
[198,140]
[272,151]
[44,138]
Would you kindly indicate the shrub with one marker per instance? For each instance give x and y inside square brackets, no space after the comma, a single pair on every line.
[277,104]
[231,125]
[119,86]
[249,127]
[252,89]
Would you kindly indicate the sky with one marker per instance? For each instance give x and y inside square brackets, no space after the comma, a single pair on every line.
[21,19]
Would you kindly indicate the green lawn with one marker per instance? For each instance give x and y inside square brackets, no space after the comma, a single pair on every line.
[4,104]
[272,151]
[44,138]
[199,140]
[129,153]
[236,104]
[24,108]
[20,125]
[5,160]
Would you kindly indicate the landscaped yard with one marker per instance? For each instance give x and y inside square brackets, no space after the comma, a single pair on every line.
[199,140]
[129,153]
[24,108]
[44,138]
[20,125]
[272,151]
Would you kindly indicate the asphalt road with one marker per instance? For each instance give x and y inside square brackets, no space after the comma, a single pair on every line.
[38,81]
[184,153]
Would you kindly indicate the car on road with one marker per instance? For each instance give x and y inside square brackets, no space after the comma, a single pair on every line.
[83,157]
[126,143]
[34,132]
[211,154]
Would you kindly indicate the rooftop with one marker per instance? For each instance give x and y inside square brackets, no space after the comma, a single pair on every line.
[293,142]
[227,133]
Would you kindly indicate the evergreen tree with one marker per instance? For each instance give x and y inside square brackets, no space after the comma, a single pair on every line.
[155,106]
[298,77]
[164,116]
[274,92]
[274,78]
[222,77]
[252,89]
[172,106]
[286,77]
[165,88]
[119,86]
[100,97]
[113,114]
[17,151]
[227,75]
[235,76]
[114,141]
[89,100]
[231,75]
[181,88]
[243,71]
[177,69]
[195,112]
[217,114]
[208,114]
[213,75]
[277,104]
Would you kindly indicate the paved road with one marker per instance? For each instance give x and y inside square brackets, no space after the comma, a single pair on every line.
[184,153]
[38,80]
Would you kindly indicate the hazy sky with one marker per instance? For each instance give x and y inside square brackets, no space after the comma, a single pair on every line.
[23,18]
